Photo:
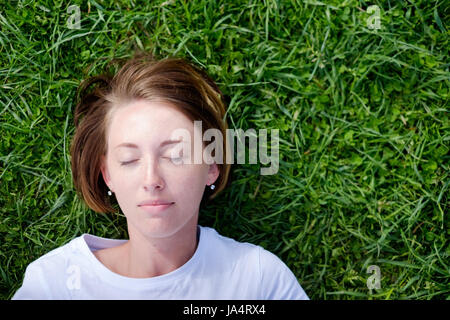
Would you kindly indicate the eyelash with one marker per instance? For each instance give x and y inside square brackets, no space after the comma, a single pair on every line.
[125,163]
[128,162]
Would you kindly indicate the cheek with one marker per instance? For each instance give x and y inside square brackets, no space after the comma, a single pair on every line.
[188,180]
[123,175]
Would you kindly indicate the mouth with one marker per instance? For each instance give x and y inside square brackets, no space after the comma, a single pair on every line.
[156,208]
[155,203]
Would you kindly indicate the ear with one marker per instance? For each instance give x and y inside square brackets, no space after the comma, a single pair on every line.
[105,172]
[213,173]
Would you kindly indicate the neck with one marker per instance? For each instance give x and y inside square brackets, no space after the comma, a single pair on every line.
[146,257]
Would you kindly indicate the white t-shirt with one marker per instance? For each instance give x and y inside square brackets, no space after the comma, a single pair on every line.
[220,269]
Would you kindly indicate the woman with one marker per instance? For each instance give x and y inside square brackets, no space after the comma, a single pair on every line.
[123,147]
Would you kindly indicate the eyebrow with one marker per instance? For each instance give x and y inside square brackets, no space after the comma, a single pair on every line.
[132,145]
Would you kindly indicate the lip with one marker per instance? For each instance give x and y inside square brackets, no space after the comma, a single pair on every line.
[155,206]
[154,203]
[154,209]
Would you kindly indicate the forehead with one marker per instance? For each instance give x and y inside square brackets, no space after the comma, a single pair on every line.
[149,121]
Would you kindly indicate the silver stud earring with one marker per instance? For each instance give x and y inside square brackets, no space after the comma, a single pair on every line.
[109,193]
[212,187]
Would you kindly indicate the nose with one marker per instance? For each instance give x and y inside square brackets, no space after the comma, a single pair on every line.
[152,176]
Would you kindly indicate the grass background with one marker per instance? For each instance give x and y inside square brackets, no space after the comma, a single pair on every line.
[362,114]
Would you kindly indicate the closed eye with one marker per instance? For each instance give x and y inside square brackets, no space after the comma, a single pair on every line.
[127,162]
[168,158]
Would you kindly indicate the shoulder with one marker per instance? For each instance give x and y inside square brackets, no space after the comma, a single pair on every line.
[46,275]
[225,254]
[278,281]
[220,245]
[57,258]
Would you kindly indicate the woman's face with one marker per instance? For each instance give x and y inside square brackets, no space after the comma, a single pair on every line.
[146,172]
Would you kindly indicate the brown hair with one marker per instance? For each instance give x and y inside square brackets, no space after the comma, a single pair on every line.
[174,80]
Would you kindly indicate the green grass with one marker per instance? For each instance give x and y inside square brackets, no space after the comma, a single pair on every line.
[362,114]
